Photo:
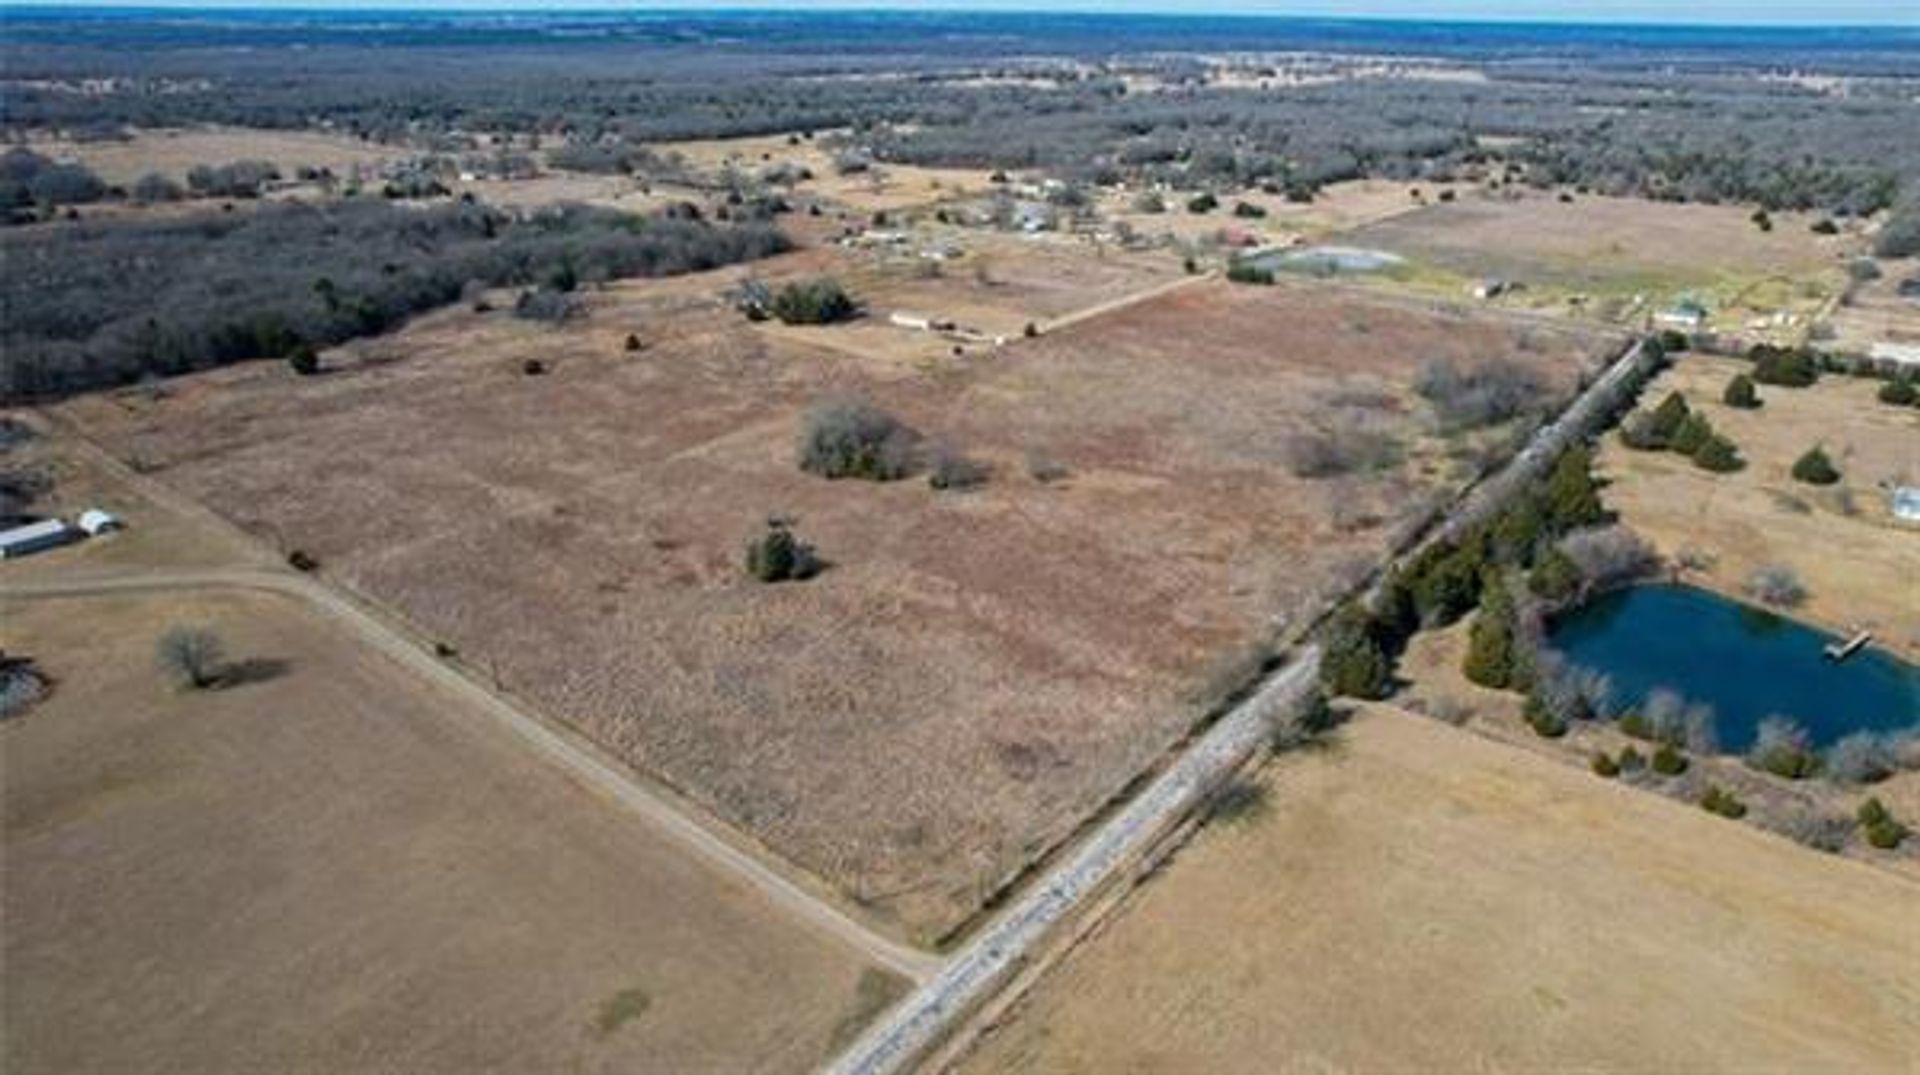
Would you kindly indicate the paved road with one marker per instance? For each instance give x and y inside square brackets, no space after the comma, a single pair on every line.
[979,970]
[577,759]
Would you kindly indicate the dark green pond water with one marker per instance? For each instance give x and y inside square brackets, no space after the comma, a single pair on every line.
[1744,662]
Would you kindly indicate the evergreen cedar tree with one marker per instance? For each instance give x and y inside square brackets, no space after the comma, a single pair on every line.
[1899,392]
[1740,393]
[1490,656]
[1446,580]
[1814,468]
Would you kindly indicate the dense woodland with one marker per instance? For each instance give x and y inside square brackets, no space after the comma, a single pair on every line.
[1675,114]
[105,301]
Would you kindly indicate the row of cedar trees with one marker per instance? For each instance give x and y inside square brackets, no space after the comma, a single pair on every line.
[1450,578]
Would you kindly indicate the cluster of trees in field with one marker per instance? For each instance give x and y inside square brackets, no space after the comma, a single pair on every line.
[29,179]
[99,302]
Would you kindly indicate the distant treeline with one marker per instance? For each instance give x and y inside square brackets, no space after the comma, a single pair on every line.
[103,301]
[1689,114]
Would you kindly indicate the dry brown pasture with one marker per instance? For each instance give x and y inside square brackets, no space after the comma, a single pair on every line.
[1415,898]
[1878,313]
[158,537]
[885,187]
[1337,207]
[173,151]
[1616,248]
[974,673]
[1860,566]
[331,866]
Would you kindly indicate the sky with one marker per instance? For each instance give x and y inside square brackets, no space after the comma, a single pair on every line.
[1904,13]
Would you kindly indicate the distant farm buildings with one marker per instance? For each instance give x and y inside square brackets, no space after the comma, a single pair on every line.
[36,537]
[1898,354]
[29,538]
[1906,503]
[1685,315]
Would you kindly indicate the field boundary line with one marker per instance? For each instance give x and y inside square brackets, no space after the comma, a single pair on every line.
[1123,302]
[972,977]
[683,822]
[1004,954]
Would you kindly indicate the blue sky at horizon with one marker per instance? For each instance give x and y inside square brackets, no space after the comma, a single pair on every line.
[1901,13]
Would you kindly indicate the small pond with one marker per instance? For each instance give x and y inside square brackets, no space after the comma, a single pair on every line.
[1745,662]
[1325,260]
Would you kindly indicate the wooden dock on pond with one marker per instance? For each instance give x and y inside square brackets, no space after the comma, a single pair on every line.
[1840,651]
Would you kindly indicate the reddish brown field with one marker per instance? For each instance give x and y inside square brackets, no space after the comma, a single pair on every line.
[974,672]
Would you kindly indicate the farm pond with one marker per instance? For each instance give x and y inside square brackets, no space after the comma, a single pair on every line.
[1747,663]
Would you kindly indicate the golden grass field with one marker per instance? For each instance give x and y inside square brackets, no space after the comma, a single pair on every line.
[1415,898]
[1860,566]
[976,672]
[333,867]
[174,151]
[884,187]
[1611,251]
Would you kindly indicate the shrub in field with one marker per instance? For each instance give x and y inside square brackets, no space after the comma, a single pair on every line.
[1567,690]
[951,470]
[778,556]
[1542,719]
[1792,367]
[304,360]
[1043,467]
[190,656]
[1555,578]
[1202,203]
[1668,761]
[1634,724]
[1444,582]
[1608,556]
[1631,760]
[1740,393]
[1668,718]
[851,438]
[1812,828]
[1777,585]
[1242,271]
[1781,747]
[1718,455]
[1354,662]
[812,302]
[1344,448]
[546,304]
[1900,392]
[1814,468]
[1654,430]
[1482,395]
[21,684]
[1860,758]
[1692,434]
[1604,765]
[1490,659]
[1718,800]
[1882,829]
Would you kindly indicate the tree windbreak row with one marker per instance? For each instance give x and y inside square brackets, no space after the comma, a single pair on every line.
[106,301]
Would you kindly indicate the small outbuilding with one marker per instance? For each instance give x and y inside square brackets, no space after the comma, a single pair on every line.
[95,521]
[1906,503]
[1686,315]
[35,537]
